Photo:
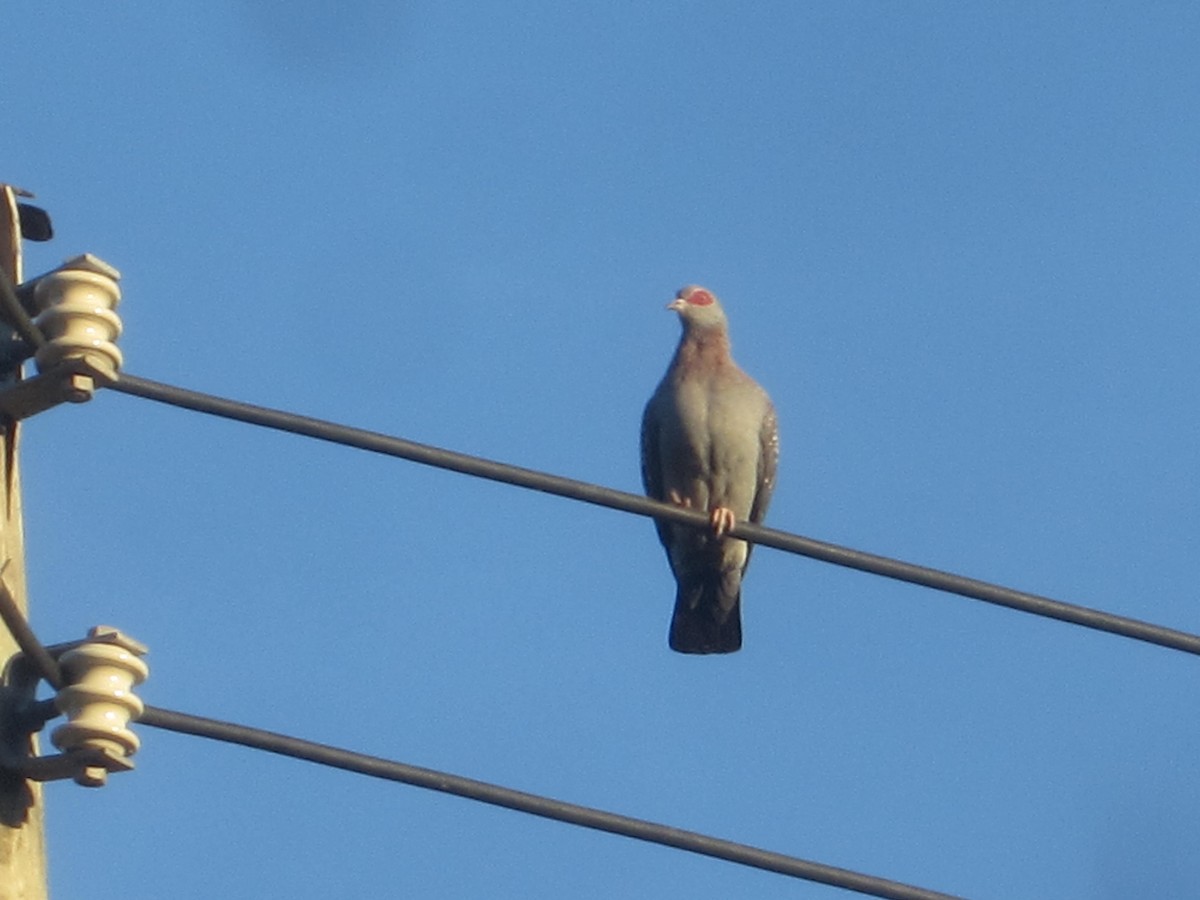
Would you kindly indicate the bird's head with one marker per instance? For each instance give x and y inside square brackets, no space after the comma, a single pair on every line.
[698,308]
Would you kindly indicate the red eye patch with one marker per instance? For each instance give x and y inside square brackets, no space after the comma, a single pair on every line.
[700,298]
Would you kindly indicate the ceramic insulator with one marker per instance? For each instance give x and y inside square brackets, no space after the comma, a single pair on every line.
[99,701]
[76,303]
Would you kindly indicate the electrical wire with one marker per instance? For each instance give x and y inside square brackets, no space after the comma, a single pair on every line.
[644,506]
[534,804]
[481,791]
[18,626]
[15,315]
[531,803]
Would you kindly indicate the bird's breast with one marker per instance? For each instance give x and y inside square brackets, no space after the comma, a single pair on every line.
[711,444]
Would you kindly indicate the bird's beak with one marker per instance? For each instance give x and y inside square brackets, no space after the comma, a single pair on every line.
[677,304]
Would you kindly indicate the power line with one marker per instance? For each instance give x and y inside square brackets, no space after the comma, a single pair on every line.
[534,804]
[14,314]
[644,506]
[377,767]
[18,627]
[531,803]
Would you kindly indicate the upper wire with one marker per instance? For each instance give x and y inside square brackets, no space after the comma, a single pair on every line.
[644,506]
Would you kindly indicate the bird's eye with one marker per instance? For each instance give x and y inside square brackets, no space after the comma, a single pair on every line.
[700,298]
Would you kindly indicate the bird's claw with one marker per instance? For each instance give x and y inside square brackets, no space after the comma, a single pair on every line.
[722,520]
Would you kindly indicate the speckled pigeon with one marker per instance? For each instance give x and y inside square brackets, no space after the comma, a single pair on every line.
[709,442]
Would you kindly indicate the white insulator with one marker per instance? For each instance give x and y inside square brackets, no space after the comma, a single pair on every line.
[99,700]
[76,303]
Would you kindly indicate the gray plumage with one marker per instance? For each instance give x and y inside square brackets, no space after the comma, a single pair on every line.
[709,442]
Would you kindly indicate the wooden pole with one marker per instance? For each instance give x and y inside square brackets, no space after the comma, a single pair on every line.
[22,829]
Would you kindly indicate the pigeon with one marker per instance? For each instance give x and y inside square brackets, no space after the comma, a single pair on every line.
[709,442]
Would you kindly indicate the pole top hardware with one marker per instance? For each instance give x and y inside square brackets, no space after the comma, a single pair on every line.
[100,673]
[73,311]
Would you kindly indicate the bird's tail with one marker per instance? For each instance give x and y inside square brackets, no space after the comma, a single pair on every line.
[708,616]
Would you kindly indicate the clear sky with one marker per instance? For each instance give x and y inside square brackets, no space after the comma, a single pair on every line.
[958,244]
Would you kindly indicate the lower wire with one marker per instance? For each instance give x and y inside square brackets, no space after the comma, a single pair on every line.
[534,804]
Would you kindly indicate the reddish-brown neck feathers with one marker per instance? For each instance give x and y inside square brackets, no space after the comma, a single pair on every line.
[703,349]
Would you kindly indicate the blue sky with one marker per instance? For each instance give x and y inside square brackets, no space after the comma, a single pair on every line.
[957,243]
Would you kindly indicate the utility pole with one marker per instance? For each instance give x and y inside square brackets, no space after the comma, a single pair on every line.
[22,831]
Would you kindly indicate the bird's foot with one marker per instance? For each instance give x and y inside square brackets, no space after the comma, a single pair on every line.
[722,520]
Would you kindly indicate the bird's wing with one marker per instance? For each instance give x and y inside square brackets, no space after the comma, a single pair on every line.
[652,478]
[768,461]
